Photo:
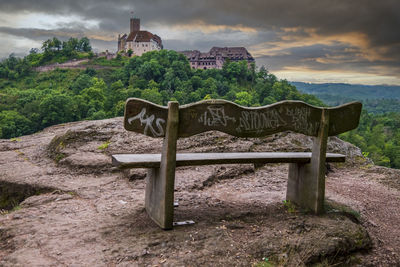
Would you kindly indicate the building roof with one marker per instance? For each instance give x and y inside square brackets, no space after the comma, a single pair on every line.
[233,53]
[143,36]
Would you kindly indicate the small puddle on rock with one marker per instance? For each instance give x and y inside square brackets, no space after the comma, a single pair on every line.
[12,194]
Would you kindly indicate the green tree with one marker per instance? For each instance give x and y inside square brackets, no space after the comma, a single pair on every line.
[13,124]
[83,81]
[130,52]
[151,70]
[152,95]
[56,108]
[84,45]
[244,99]
[95,96]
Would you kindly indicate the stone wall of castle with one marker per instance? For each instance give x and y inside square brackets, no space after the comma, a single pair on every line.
[216,57]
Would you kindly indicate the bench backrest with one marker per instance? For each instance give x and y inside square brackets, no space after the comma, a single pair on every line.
[150,119]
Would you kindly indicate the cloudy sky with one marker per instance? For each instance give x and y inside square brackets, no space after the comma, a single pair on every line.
[352,41]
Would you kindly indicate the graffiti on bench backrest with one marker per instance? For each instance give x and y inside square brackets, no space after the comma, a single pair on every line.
[215,116]
[148,121]
[147,118]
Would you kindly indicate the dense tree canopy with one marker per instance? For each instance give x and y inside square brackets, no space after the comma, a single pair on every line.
[378,136]
[30,101]
[54,50]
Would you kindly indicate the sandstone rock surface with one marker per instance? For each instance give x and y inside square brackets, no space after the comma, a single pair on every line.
[78,210]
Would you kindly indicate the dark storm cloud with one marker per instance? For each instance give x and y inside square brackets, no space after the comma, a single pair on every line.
[327,58]
[40,34]
[362,35]
[380,20]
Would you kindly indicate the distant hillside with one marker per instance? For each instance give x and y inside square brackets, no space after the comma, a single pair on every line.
[354,91]
[376,98]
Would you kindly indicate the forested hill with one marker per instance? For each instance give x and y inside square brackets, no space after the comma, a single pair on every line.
[31,100]
[378,134]
[356,91]
[376,98]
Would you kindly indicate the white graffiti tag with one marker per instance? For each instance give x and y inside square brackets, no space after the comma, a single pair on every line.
[148,120]
[215,116]
[301,120]
[256,121]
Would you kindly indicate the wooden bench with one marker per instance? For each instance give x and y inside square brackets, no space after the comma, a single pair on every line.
[306,179]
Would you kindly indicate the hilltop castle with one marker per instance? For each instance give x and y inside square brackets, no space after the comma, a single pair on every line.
[138,41]
[216,57]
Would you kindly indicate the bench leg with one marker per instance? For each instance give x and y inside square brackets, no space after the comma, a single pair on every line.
[306,187]
[160,181]
[306,183]
[159,198]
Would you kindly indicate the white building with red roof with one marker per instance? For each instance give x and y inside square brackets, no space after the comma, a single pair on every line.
[138,41]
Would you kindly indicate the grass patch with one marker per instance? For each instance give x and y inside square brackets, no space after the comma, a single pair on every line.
[333,207]
[103,61]
[264,263]
[20,153]
[59,157]
[72,193]
[104,146]
[18,207]
[289,206]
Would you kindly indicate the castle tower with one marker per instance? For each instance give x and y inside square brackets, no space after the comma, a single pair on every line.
[135,24]
[138,41]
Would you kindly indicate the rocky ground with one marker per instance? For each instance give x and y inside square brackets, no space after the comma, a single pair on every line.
[63,204]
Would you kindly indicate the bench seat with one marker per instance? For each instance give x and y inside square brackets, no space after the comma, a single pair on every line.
[124,161]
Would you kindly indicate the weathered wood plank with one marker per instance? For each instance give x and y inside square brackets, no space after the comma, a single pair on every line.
[344,118]
[144,117]
[195,159]
[230,118]
[159,197]
[306,182]
[147,118]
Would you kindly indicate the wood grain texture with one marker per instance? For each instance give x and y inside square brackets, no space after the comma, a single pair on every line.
[344,118]
[144,117]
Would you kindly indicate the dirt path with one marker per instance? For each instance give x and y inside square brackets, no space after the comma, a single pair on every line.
[379,206]
[66,65]
[75,64]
